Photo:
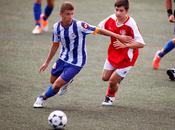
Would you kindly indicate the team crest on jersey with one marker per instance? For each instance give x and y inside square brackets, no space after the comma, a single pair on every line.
[73,35]
[85,25]
[123,32]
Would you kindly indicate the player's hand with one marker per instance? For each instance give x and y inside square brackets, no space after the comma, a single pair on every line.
[125,39]
[43,67]
[171,19]
[118,45]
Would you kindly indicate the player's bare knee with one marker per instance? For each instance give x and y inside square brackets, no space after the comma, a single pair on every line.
[50,3]
[38,1]
[112,83]
[52,80]
[104,78]
[55,86]
[173,40]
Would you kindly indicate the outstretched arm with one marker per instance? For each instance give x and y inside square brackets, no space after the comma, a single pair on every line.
[133,45]
[122,38]
[52,52]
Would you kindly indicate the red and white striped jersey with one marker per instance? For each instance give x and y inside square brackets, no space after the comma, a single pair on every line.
[125,57]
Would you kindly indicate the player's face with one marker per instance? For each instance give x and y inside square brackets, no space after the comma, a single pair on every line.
[121,12]
[67,17]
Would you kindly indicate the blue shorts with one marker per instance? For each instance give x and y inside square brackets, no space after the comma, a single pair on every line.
[65,70]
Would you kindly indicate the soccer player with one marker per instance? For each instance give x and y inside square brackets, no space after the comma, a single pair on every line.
[70,34]
[121,56]
[170,45]
[41,19]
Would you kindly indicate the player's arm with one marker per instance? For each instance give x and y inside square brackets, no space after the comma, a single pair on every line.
[122,38]
[52,52]
[133,45]
[168,6]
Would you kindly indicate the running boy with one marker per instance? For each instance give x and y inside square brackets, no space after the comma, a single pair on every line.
[121,56]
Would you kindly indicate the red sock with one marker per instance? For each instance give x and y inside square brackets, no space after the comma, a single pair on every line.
[110,93]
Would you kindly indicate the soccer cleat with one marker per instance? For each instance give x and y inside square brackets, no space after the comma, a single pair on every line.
[39,102]
[156,61]
[37,30]
[171,73]
[108,101]
[64,88]
[44,23]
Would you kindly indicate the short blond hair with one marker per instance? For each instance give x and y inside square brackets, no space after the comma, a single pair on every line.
[66,6]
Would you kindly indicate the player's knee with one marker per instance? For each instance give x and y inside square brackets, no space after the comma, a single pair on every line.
[104,78]
[112,83]
[55,86]
[52,80]
[50,3]
[38,1]
[173,41]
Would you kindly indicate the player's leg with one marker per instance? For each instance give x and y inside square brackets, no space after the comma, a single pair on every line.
[56,71]
[68,72]
[51,91]
[108,69]
[61,83]
[106,74]
[170,45]
[48,9]
[37,12]
[114,82]
[47,12]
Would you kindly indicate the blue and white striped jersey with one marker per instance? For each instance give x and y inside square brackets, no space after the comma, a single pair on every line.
[73,41]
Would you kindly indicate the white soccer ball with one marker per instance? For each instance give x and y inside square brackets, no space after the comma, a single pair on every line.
[57,119]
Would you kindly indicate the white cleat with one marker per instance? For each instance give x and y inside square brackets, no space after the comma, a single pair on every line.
[108,101]
[39,102]
[64,88]
[37,30]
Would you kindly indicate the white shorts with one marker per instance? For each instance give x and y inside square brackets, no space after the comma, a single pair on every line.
[121,72]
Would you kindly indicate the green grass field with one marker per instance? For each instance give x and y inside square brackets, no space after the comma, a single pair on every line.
[147,97]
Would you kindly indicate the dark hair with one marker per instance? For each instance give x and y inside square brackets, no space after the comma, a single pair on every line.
[66,6]
[124,3]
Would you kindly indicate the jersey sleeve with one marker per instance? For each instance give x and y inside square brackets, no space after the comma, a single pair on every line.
[87,28]
[55,35]
[137,34]
[102,23]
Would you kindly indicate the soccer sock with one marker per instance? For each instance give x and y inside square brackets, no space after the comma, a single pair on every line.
[50,92]
[48,10]
[37,12]
[167,48]
[110,92]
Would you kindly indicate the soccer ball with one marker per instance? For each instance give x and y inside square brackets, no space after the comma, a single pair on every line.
[57,119]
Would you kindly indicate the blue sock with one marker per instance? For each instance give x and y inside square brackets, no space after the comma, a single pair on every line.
[167,48]
[37,11]
[48,10]
[50,92]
